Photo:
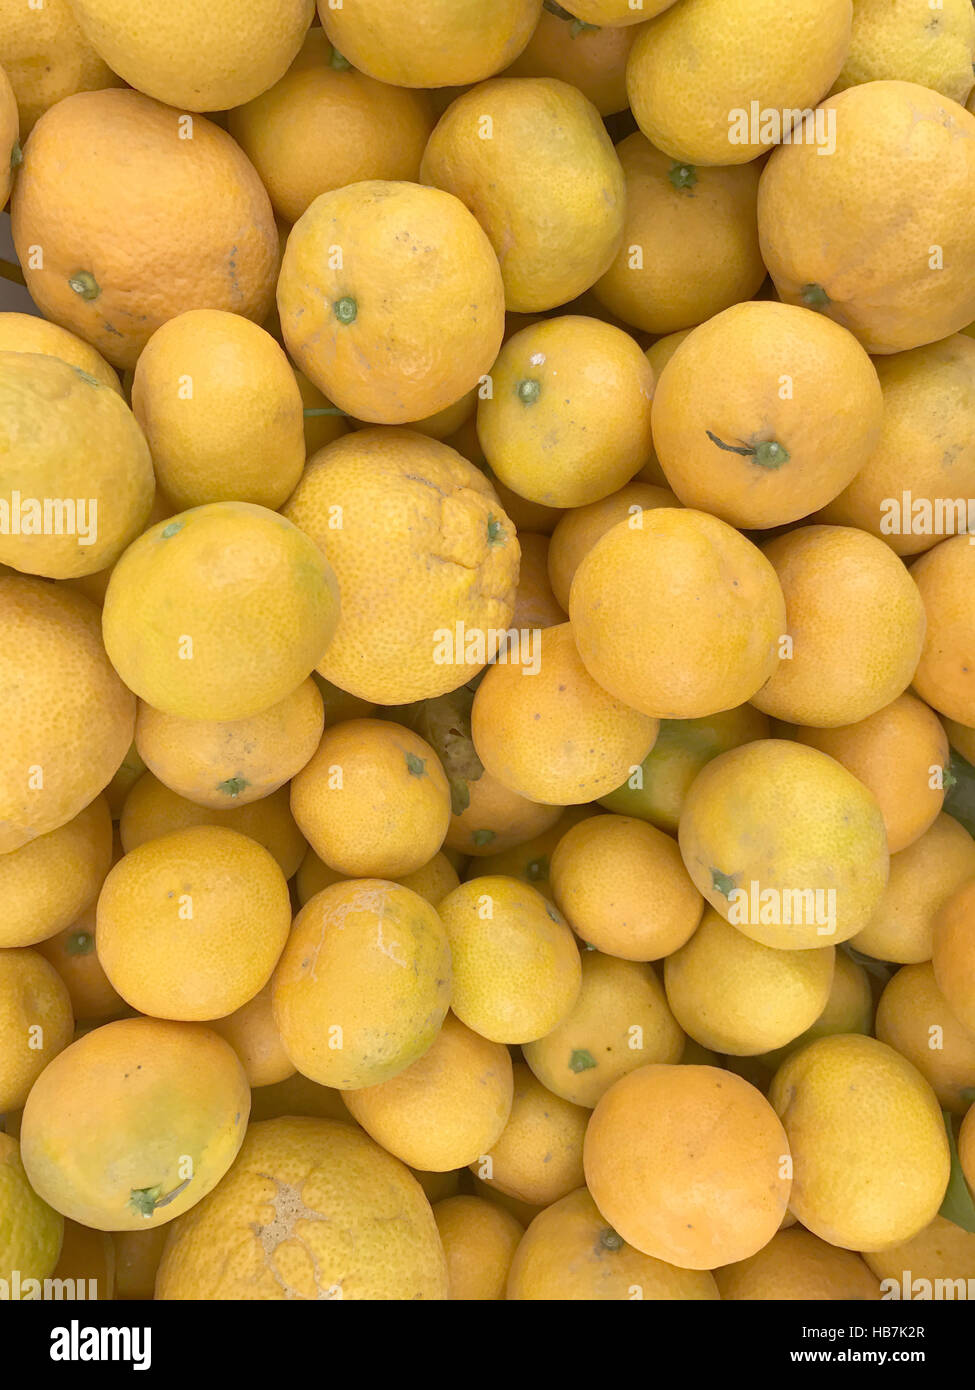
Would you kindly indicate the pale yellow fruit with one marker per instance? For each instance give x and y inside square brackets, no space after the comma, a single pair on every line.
[942,1254]
[31,1230]
[914,1017]
[923,878]
[363,984]
[516,965]
[46,57]
[373,801]
[30,333]
[945,675]
[222,764]
[496,818]
[538,1156]
[798,1266]
[52,879]
[961,737]
[252,1033]
[479,1240]
[578,530]
[690,108]
[197,59]
[849,1009]
[623,887]
[868,1142]
[620,1021]
[738,997]
[444,1110]
[914,42]
[35,1022]
[198,371]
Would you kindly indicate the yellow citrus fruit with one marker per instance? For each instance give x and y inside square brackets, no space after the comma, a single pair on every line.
[74,956]
[137,1256]
[849,1009]
[623,887]
[738,997]
[568,418]
[535,603]
[219,612]
[617,12]
[960,736]
[867,1139]
[765,413]
[690,240]
[232,763]
[900,39]
[363,985]
[656,791]
[50,881]
[418,283]
[546,186]
[516,965]
[10,151]
[449,558]
[30,1230]
[437,43]
[903,168]
[35,1022]
[134,1123]
[798,1266]
[527,516]
[913,490]
[28,333]
[786,844]
[659,354]
[197,60]
[199,370]
[46,57]
[914,1018]
[620,1021]
[945,675]
[702,112]
[312,1209]
[688,1164]
[953,956]
[679,616]
[538,1156]
[942,1251]
[578,530]
[77,472]
[591,57]
[479,1239]
[531,860]
[898,753]
[373,801]
[444,1110]
[151,810]
[570,1253]
[324,125]
[555,735]
[138,223]
[496,819]
[922,879]
[59,749]
[966,1149]
[219,902]
[844,592]
[252,1033]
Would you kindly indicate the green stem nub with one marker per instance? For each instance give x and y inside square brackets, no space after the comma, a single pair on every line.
[483,837]
[233,786]
[768,454]
[80,944]
[415,766]
[145,1200]
[581,1060]
[579,26]
[722,883]
[84,284]
[495,531]
[814,297]
[683,176]
[337,62]
[345,309]
[16,155]
[528,391]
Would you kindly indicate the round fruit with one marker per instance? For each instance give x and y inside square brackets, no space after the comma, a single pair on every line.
[849,1009]
[578,530]
[190,926]
[138,222]
[945,675]
[219,612]
[590,57]
[252,1033]
[844,592]
[796,1265]
[408,317]
[67,717]
[786,844]
[765,413]
[425,618]
[363,985]
[197,59]
[935,48]
[538,1156]
[373,801]
[46,57]
[312,1209]
[941,1251]
[546,186]
[49,881]
[74,956]
[516,966]
[953,955]
[868,1142]
[134,1123]
[29,333]
[544,728]
[913,1017]
[479,1239]
[895,265]
[10,151]
[496,818]
[704,112]
[688,1164]
[31,1230]
[679,617]
[35,1022]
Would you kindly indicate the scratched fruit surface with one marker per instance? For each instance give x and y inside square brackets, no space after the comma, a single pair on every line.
[487,649]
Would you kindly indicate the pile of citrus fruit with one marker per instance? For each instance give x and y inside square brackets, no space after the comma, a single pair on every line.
[487,649]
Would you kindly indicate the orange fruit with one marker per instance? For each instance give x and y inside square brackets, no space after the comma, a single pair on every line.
[35,1022]
[797,1265]
[591,57]
[479,1238]
[945,674]
[52,879]
[538,1156]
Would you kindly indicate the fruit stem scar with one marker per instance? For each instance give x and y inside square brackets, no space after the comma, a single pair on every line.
[84,284]
[171,529]
[814,296]
[145,1200]
[80,944]
[345,309]
[16,155]
[338,62]
[528,391]
[414,765]
[610,1239]
[581,1060]
[722,883]
[495,531]
[682,176]
[768,454]
[483,837]
[233,786]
